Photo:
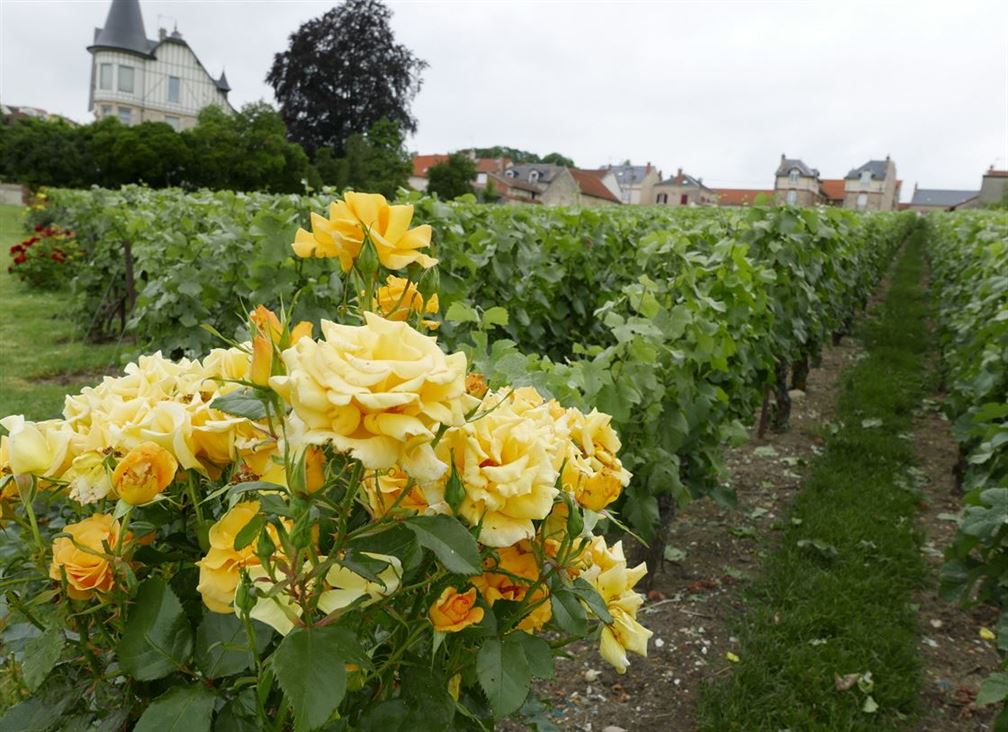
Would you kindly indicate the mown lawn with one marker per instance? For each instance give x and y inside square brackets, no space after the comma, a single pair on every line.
[42,357]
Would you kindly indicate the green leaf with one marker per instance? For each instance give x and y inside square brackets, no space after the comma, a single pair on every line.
[181,709]
[310,666]
[239,714]
[494,316]
[40,655]
[568,612]
[461,312]
[158,638]
[454,489]
[450,541]
[248,533]
[593,599]
[222,644]
[36,714]
[241,403]
[503,674]
[993,689]
[537,652]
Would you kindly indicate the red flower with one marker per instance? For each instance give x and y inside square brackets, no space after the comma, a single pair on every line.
[38,227]
[19,259]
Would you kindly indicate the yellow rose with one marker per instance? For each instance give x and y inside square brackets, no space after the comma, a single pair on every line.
[146,470]
[509,576]
[476,384]
[453,611]
[88,477]
[221,568]
[614,582]
[261,367]
[508,469]
[593,473]
[266,323]
[301,330]
[378,391]
[338,236]
[88,568]
[387,227]
[383,489]
[36,448]
[399,298]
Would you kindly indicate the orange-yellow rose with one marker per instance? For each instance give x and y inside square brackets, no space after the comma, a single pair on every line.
[146,470]
[509,577]
[593,473]
[221,568]
[399,298]
[261,367]
[89,569]
[384,488]
[454,611]
[338,236]
[266,322]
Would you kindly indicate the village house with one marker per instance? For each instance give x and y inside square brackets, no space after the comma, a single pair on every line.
[555,185]
[595,187]
[796,183]
[743,196]
[993,187]
[934,199]
[137,79]
[832,191]
[683,189]
[636,182]
[872,187]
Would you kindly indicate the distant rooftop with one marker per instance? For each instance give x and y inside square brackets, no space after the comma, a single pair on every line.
[786,164]
[940,197]
[877,168]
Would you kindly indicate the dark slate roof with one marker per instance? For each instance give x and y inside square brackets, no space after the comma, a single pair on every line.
[124,29]
[937,197]
[222,82]
[877,168]
[629,175]
[547,171]
[683,179]
[787,163]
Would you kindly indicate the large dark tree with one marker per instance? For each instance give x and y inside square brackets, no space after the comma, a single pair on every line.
[342,73]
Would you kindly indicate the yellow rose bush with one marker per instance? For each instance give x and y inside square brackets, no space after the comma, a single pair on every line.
[330,525]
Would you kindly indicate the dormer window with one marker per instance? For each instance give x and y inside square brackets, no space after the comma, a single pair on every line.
[793,176]
[533,176]
[866,176]
[509,173]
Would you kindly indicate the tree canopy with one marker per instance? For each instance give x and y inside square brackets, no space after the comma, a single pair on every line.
[341,73]
[376,162]
[452,178]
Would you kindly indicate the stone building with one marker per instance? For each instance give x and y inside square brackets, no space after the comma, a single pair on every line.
[137,79]
[636,182]
[872,187]
[796,183]
[683,189]
[993,187]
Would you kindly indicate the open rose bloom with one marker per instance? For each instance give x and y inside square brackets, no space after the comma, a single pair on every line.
[359,502]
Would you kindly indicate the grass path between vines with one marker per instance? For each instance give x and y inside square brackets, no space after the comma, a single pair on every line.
[836,598]
[42,358]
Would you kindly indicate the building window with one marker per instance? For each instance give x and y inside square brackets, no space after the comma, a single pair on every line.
[533,176]
[793,176]
[174,84]
[862,201]
[866,176]
[175,122]
[106,110]
[792,197]
[125,115]
[126,79]
[684,199]
[105,76]
[509,173]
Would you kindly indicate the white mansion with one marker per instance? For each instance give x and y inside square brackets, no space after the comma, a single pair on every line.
[141,80]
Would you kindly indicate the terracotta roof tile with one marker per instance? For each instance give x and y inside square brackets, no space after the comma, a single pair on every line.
[832,188]
[590,183]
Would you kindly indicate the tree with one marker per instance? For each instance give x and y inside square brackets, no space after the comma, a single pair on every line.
[557,159]
[376,162]
[341,73]
[452,178]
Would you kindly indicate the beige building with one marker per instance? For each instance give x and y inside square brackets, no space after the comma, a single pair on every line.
[872,187]
[683,189]
[796,183]
[994,186]
[137,79]
[636,182]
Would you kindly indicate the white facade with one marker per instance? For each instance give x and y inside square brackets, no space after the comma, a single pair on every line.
[141,80]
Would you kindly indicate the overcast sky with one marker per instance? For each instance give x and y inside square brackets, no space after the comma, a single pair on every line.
[720,89]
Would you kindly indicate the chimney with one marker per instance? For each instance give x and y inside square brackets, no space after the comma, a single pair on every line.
[647,167]
[162,33]
[782,157]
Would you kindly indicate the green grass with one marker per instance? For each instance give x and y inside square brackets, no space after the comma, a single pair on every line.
[39,345]
[812,615]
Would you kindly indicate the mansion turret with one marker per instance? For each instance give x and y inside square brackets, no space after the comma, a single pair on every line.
[137,79]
